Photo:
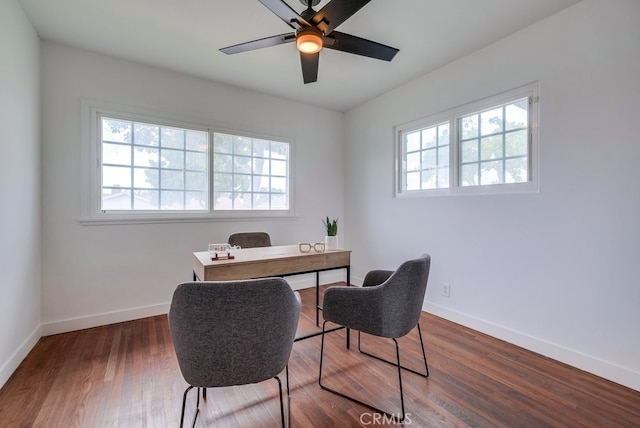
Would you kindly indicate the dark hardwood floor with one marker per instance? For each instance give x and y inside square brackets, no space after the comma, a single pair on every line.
[126,375]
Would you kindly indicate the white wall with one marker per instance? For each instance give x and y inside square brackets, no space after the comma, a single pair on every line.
[554,271]
[98,274]
[19,188]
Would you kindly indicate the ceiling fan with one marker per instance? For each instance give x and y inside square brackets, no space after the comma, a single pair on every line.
[315,30]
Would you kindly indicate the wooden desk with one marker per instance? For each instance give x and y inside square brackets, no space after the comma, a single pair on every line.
[286,260]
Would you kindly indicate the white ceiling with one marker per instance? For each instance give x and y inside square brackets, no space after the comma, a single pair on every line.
[185,35]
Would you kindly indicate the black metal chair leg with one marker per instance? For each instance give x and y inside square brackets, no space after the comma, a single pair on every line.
[355,400]
[424,356]
[281,400]
[184,405]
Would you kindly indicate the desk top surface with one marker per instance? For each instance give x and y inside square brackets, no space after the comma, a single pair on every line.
[250,255]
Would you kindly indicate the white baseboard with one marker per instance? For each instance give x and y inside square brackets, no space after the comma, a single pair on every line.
[297,282]
[16,358]
[64,326]
[621,375]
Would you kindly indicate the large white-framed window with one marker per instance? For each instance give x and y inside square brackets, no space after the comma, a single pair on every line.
[145,167]
[487,146]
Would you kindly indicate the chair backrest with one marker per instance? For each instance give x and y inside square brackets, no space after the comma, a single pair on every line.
[250,239]
[233,332]
[402,296]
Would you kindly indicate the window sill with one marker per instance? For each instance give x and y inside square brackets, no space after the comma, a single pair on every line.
[226,216]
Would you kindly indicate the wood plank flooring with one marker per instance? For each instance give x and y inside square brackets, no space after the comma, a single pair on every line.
[126,375]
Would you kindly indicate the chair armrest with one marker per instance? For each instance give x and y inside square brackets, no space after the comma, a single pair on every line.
[353,307]
[376,277]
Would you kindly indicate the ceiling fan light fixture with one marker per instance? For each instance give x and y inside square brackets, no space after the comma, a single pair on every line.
[309,41]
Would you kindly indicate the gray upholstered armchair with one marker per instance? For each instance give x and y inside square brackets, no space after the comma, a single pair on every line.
[388,304]
[250,239]
[233,333]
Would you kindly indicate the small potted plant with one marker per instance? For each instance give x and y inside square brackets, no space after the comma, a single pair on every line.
[331,238]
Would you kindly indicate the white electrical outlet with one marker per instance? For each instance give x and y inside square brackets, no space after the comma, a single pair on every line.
[446,289]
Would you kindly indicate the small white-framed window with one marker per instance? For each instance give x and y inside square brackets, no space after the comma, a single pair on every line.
[488,146]
[144,167]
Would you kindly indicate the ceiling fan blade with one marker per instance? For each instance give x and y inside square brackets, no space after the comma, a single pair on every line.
[359,46]
[284,12]
[260,43]
[335,13]
[310,64]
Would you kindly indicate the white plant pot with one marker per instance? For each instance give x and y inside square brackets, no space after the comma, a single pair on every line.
[331,242]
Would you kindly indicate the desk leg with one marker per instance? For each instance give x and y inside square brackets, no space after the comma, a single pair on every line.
[348,285]
[317,299]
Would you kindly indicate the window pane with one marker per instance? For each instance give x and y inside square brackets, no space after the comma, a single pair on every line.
[412,142]
[413,180]
[429,158]
[116,199]
[491,147]
[279,184]
[116,131]
[469,127]
[261,148]
[491,173]
[145,178]
[146,157]
[171,200]
[413,161]
[429,138]
[196,161]
[516,143]
[469,175]
[242,201]
[429,179]
[173,159]
[260,166]
[196,180]
[260,183]
[116,176]
[491,121]
[443,177]
[517,114]
[222,143]
[222,163]
[278,168]
[146,200]
[117,154]
[469,151]
[222,201]
[261,201]
[171,180]
[242,146]
[197,141]
[279,150]
[443,134]
[197,201]
[516,170]
[146,135]
[443,156]
[172,138]
[242,183]
[279,202]
[242,164]
[223,182]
